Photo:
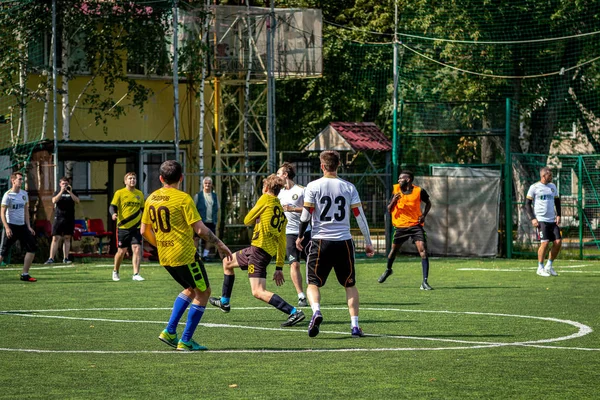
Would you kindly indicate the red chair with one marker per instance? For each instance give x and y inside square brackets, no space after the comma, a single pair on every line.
[43,227]
[96,226]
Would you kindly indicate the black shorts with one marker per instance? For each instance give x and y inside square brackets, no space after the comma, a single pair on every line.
[63,226]
[190,276]
[130,236]
[255,260]
[416,233]
[548,231]
[293,254]
[323,255]
[20,233]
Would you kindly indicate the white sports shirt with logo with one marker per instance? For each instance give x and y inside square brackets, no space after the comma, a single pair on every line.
[15,206]
[293,197]
[333,200]
[543,201]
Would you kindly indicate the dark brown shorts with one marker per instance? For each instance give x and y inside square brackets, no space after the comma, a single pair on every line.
[255,260]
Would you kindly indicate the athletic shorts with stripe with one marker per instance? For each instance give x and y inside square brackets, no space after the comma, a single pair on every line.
[293,254]
[190,276]
[130,236]
[19,233]
[254,260]
[548,231]
[325,255]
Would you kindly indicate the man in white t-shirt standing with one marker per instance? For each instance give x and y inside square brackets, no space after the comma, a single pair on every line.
[292,200]
[328,203]
[545,217]
[15,219]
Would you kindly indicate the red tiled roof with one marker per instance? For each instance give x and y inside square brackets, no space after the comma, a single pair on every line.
[362,135]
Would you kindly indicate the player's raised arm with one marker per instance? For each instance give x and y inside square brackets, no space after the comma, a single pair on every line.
[257,210]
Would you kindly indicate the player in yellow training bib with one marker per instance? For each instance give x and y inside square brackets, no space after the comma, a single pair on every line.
[170,218]
[268,240]
[126,208]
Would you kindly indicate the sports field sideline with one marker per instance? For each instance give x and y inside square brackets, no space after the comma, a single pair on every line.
[491,328]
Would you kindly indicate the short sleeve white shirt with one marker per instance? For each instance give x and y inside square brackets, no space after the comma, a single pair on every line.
[293,197]
[543,201]
[15,204]
[332,200]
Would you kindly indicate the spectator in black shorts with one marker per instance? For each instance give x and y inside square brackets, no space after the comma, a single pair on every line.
[15,219]
[64,201]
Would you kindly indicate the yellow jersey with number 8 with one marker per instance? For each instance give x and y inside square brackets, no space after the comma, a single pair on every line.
[269,222]
[171,213]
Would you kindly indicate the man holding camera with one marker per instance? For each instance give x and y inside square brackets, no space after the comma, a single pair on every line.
[64,201]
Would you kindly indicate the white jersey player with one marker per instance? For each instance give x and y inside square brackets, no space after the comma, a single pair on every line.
[328,203]
[292,200]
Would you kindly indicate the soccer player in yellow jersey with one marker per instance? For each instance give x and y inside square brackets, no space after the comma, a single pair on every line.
[126,208]
[408,219]
[268,240]
[170,218]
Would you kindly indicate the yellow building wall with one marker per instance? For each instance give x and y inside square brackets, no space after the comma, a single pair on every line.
[155,123]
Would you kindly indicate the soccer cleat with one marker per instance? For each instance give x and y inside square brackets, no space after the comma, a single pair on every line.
[67,261]
[313,326]
[215,301]
[189,346]
[28,278]
[116,276]
[550,270]
[542,272]
[385,275]
[50,261]
[302,302]
[293,319]
[425,286]
[137,277]
[169,338]
[357,332]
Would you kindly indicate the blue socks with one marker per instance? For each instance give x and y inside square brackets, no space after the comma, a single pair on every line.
[181,304]
[193,319]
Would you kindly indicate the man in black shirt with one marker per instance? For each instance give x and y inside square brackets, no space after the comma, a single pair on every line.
[64,220]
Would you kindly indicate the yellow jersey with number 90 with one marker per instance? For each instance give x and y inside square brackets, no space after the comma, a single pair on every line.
[171,213]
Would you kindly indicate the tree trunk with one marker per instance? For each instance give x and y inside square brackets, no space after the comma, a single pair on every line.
[66,133]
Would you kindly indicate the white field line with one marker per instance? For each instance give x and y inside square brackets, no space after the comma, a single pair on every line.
[582,330]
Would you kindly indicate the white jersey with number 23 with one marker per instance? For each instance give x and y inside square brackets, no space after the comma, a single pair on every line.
[333,200]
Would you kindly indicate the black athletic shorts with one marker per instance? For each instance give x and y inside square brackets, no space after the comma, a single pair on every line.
[324,255]
[63,226]
[190,276]
[255,260]
[130,236]
[548,231]
[416,233]
[20,233]
[293,254]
